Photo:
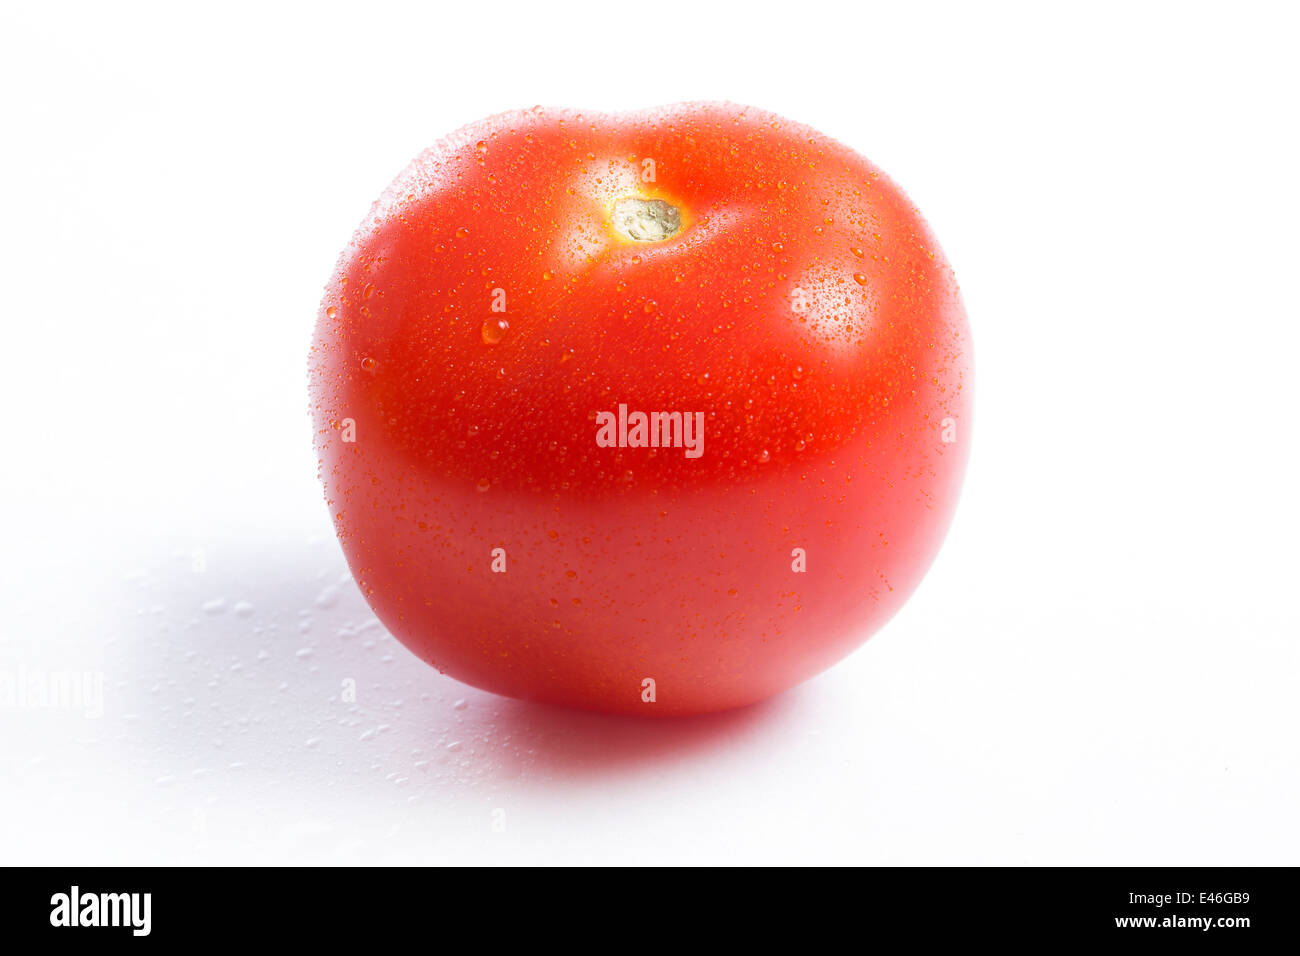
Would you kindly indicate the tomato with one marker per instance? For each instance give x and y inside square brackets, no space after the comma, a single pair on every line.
[654,413]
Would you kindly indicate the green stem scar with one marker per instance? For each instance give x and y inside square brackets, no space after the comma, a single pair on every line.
[646,220]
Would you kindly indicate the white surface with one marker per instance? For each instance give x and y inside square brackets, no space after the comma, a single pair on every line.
[1101,668]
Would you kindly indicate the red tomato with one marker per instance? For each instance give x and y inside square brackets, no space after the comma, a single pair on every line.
[532,286]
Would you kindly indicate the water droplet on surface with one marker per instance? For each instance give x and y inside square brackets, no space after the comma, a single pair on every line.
[368,364]
[494,330]
[859,278]
[484,484]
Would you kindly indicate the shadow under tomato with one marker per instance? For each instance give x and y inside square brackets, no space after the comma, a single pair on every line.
[249,655]
[565,743]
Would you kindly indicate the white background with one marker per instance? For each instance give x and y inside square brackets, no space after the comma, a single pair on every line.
[1102,666]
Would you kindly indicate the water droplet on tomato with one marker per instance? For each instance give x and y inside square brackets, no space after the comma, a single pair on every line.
[494,330]
[484,484]
[368,364]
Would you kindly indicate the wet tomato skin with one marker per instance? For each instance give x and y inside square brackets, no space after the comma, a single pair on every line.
[489,307]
